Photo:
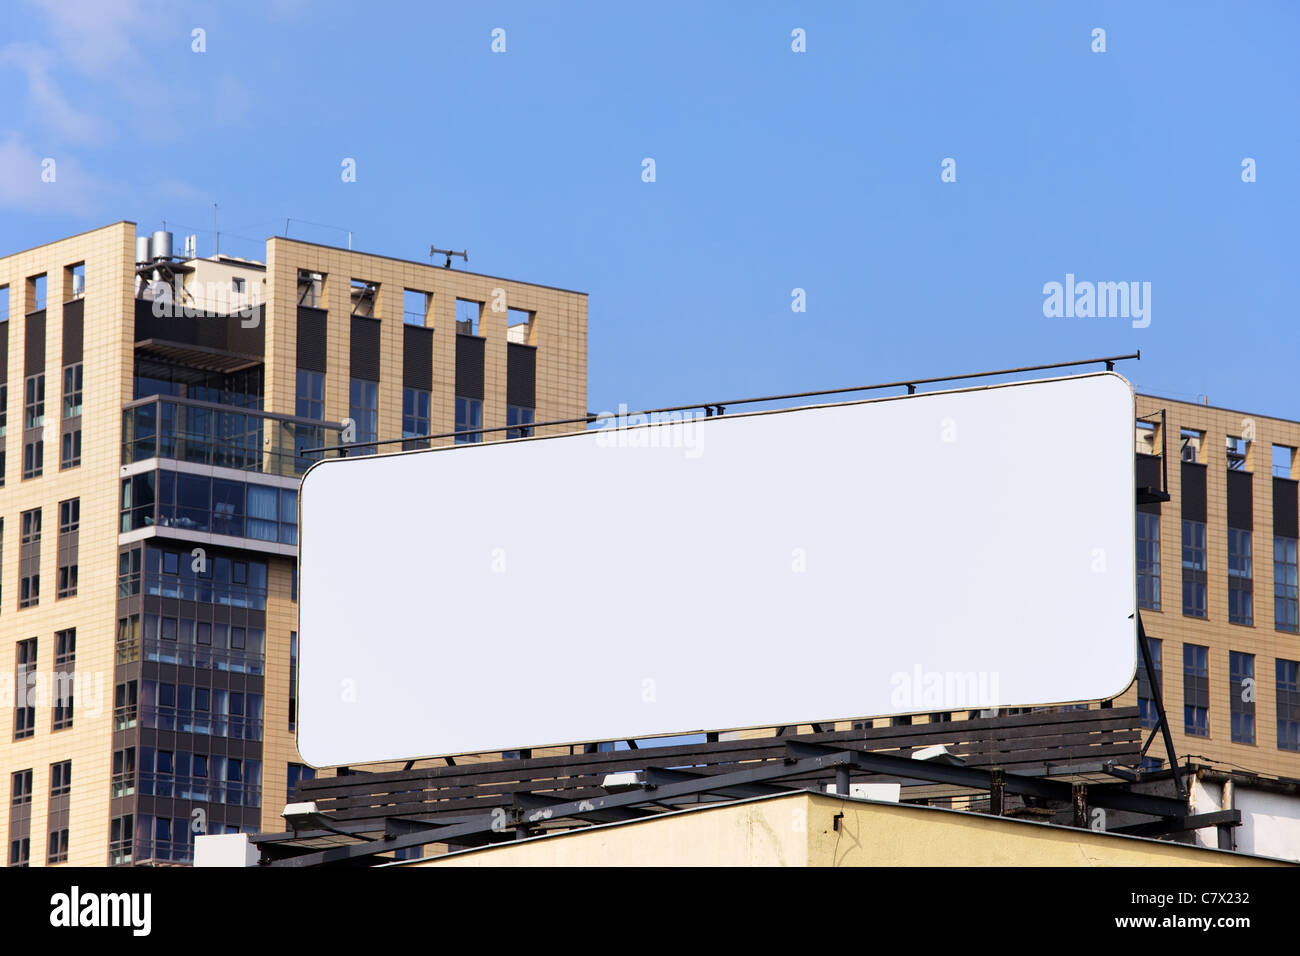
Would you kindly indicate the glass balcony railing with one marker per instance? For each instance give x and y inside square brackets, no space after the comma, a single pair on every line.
[209,434]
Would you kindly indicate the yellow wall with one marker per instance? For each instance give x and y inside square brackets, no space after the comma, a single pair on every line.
[798,830]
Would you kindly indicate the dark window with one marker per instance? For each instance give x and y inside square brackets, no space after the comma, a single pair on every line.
[363,407]
[65,666]
[33,423]
[1241,603]
[57,819]
[1241,696]
[70,456]
[29,559]
[1285,591]
[293,680]
[68,547]
[520,421]
[25,689]
[1288,705]
[1194,580]
[310,404]
[297,773]
[20,818]
[1148,560]
[469,418]
[1196,690]
[415,417]
[121,840]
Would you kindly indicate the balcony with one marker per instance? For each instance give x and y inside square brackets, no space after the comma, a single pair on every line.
[205,433]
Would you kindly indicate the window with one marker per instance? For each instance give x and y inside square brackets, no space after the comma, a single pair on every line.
[1196,693]
[20,818]
[65,665]
[121,840]
[4,427]
[293,680]
[29,559]
[61,778]
[25,689]
[297,773]
[69,535]
[57,818]
[1285,590]
[519,418]
[1194,580]
[415,306]
[125,705]
[1148,560]
[124,772]
[311,288]
[468,313]
[33,423]
[469,418]
[1238,450]
[1288,705]
[237,284]
[363,408]
[518,325]
[310,403]
[70,445]
[415,417]
[36,287]
[1192,441]
[364,294]
[1241,607]
[1147,435]
[1283,461]
[1241,696]
[311,395]
[1146,697]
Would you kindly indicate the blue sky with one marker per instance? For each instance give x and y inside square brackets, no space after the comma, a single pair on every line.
[774,170]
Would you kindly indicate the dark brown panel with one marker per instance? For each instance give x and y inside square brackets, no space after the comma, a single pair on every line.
[469,366]
[1241,510]
[73,325]
[34,361]
[364,354]
[1285,523]
[1193,491]
[214,333]
[312,348]
[417,357]
[4,352]
[1149,475]
[521,375]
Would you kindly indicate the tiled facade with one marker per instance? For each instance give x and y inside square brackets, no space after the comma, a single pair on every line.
[1174,629]
[112,344]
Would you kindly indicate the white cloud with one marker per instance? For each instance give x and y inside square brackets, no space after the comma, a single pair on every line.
[22,186]
[47,98]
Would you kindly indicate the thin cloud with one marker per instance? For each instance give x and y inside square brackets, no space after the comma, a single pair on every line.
[47,99]
[24,185]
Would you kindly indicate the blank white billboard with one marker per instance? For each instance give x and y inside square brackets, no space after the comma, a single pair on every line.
[937,552]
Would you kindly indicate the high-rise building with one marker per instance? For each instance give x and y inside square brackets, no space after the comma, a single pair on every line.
[156,415]
[1217,582]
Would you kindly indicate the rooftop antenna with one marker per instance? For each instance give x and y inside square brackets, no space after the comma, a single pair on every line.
[464,254]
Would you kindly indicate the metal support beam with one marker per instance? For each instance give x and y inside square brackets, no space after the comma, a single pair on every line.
[979,779]
[1079,800]
[997,791]
[1163,720]
[1223,819]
